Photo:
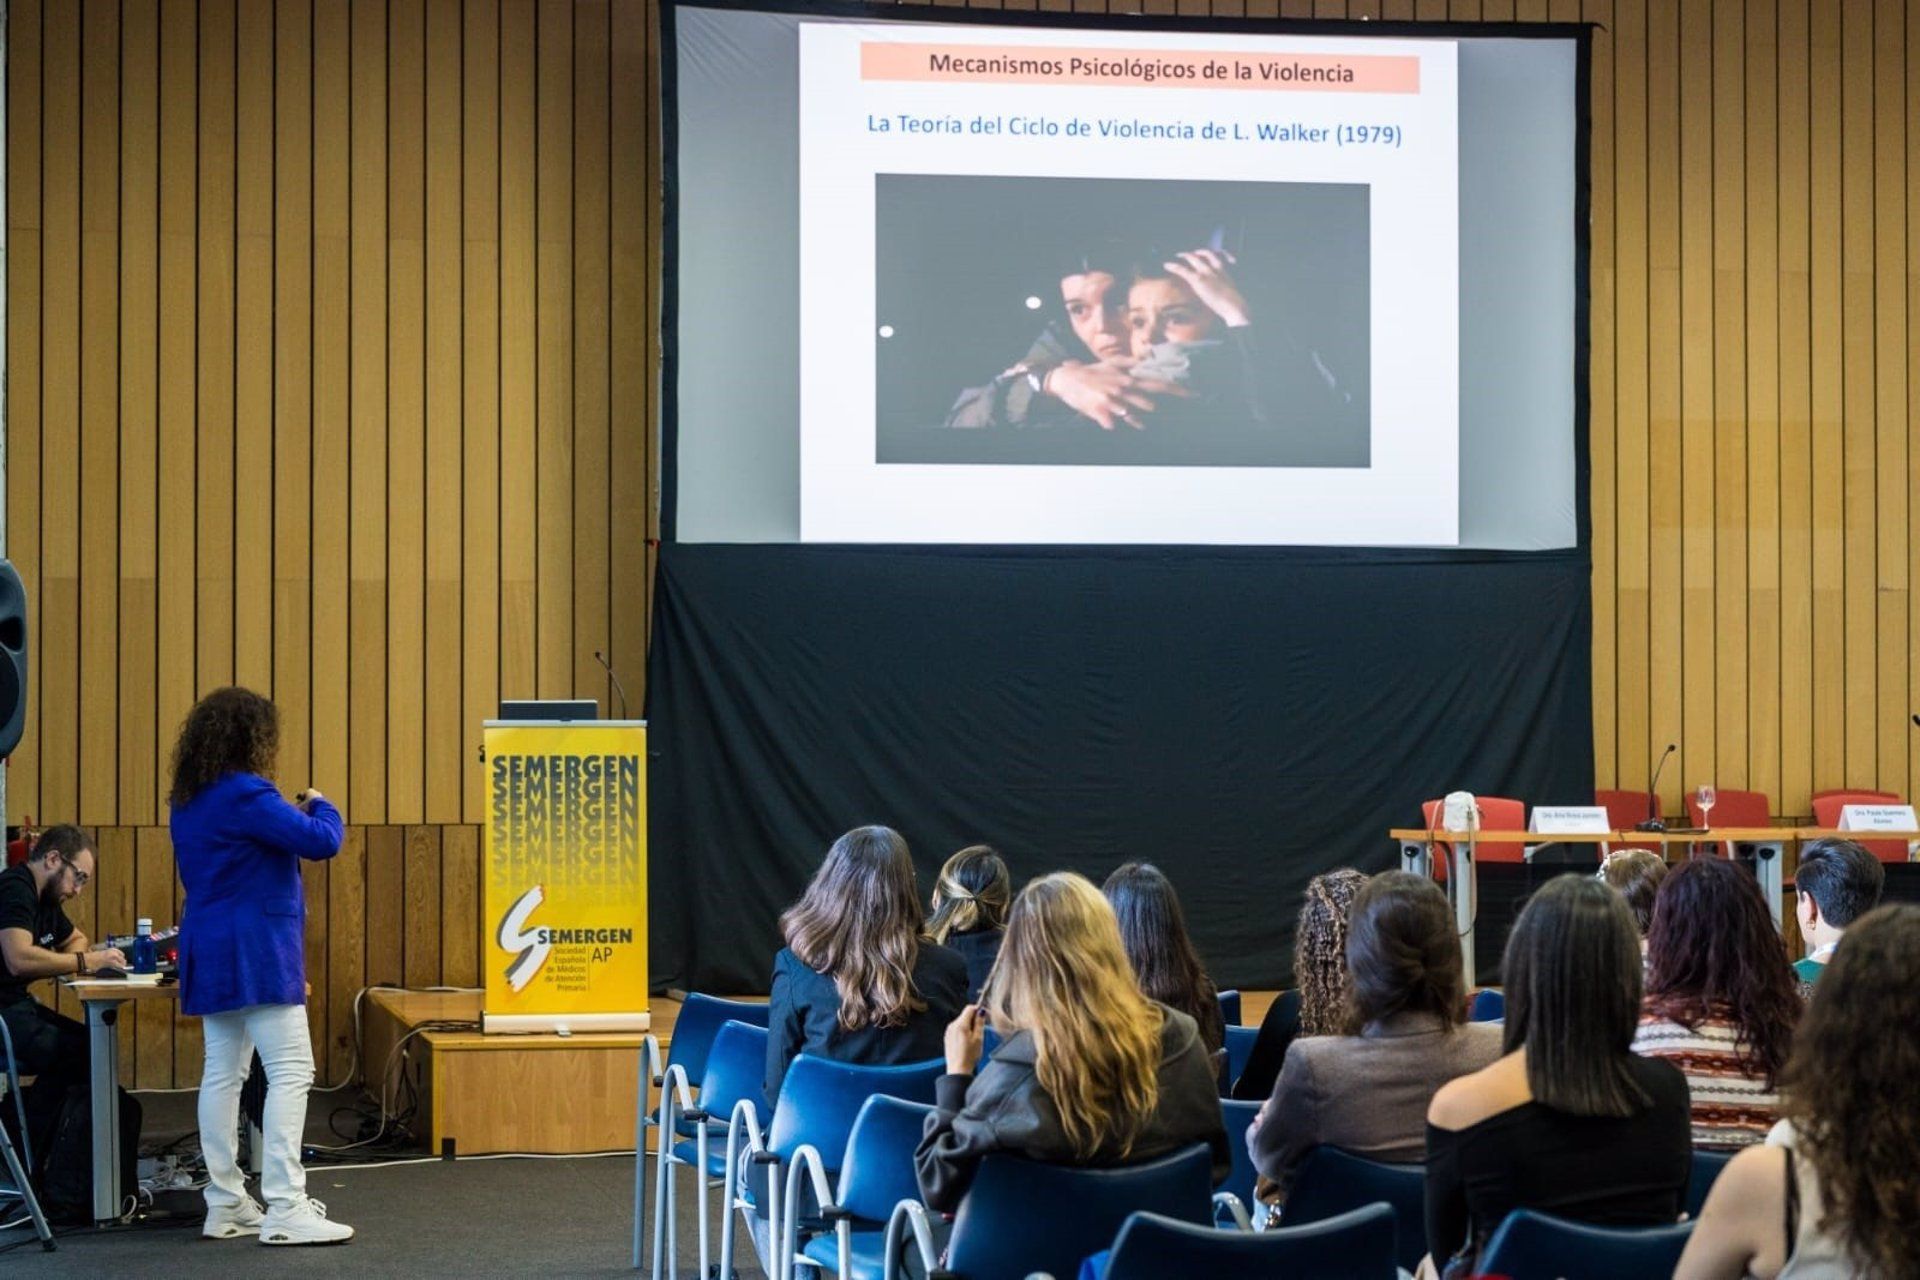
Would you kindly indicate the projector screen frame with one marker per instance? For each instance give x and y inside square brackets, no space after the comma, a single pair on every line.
[666,424]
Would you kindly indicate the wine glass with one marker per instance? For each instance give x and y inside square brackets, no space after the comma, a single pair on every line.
[1705,798]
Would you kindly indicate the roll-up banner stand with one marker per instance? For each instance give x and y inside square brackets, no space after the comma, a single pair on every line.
[564,904]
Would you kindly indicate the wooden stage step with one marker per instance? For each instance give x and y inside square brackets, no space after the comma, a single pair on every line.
[543,1093]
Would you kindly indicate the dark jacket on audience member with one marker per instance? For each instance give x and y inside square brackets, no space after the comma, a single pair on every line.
[1367,1094]
[803,1016]
[979,949]
[1003,1110]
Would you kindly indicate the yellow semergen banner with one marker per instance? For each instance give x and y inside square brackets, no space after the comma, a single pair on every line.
[564,904]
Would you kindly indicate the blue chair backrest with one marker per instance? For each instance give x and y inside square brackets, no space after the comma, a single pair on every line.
[989,1041]
[820,1098]
[699,1022]
[1331,1182]
[1230,1007]
[1353,1246]
[1239,1049]
[1238,1115]
[1488,1006]
[735,1068]
[878,1173]
[1537,1246]
[1020,1217]
[1706,1170]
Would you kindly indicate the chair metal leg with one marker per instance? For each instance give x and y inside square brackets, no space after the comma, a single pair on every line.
[700,1196]
[662,1194]
[18,1173]
[639,1183]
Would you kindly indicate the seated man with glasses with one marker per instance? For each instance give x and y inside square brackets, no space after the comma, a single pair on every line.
[38,941]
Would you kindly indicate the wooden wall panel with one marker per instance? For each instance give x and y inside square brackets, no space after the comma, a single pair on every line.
[335,318]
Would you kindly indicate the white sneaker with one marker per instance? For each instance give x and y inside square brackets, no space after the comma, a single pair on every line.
[303,1222]
[227,1222]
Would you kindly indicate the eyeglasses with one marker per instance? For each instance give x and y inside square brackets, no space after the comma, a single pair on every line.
[80,877]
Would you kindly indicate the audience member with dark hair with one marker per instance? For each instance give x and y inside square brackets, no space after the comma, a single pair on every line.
[1570,1122]
[1368,1091]
[859,980]
[1720,1000]
[970,910]
[1318,1005]
[1837,882]
[1153,929]
[1089,1071]
[1835,1193]
[1637,875]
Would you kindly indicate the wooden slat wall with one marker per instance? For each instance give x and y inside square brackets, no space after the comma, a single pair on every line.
[331,355]
[331,364]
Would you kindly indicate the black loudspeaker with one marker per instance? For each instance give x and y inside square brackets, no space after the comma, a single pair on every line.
[13,658]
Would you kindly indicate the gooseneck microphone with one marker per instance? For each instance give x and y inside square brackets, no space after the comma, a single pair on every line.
[1654,822]
[601,658]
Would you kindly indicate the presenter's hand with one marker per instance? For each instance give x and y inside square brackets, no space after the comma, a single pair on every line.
[304,801]
[965,1036]
[1108,393]
[1206,273]
[105,956]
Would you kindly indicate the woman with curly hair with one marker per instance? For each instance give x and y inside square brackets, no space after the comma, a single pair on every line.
[1319,1006]
[1721,1003]
[239,845]
[1834,1192]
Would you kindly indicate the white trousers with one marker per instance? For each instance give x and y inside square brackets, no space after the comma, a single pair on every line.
[279,1032]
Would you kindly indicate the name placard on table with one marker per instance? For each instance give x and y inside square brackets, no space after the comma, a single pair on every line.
[1878,817]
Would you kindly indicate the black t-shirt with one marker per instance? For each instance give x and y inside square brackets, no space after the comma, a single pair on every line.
[21,908]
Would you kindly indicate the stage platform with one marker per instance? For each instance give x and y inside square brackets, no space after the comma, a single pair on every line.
[540,1093]
[480,1094]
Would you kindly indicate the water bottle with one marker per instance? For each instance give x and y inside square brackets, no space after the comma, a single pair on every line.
[146,957]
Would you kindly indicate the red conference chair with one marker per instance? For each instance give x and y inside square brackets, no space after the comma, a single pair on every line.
[1733,809]
[1496,814]
[1627,810]
[1826,813]
[1860,797]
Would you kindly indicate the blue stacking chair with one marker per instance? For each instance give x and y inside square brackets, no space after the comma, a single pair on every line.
[694,1030]
[1020,1217]
[1235,1195]
[1707,1166]
[733,1069]
[1353,1246]
[819,1100]
[1538,1246]
[1331,1182]
[1488,1006]
[19,1162]
[1239,1049]
[1230,1007]
[877,1175]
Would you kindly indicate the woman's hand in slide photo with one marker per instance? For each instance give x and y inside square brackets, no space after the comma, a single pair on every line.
[1205,271]
[1108,393]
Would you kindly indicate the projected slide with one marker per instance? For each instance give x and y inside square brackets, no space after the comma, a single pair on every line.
[1123,287]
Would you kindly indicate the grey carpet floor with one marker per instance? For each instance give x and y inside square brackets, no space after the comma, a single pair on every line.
[472,1217]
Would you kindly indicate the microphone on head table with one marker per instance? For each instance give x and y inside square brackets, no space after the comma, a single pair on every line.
[601,658]
[1654,821]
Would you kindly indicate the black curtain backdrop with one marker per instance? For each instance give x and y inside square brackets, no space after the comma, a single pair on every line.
[1244,718]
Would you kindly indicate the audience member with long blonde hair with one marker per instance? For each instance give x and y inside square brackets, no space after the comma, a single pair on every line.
[859,980]
[970,910]
[1088,1072]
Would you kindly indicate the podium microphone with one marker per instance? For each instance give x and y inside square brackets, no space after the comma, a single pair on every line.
[1654,822]
[601,658]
